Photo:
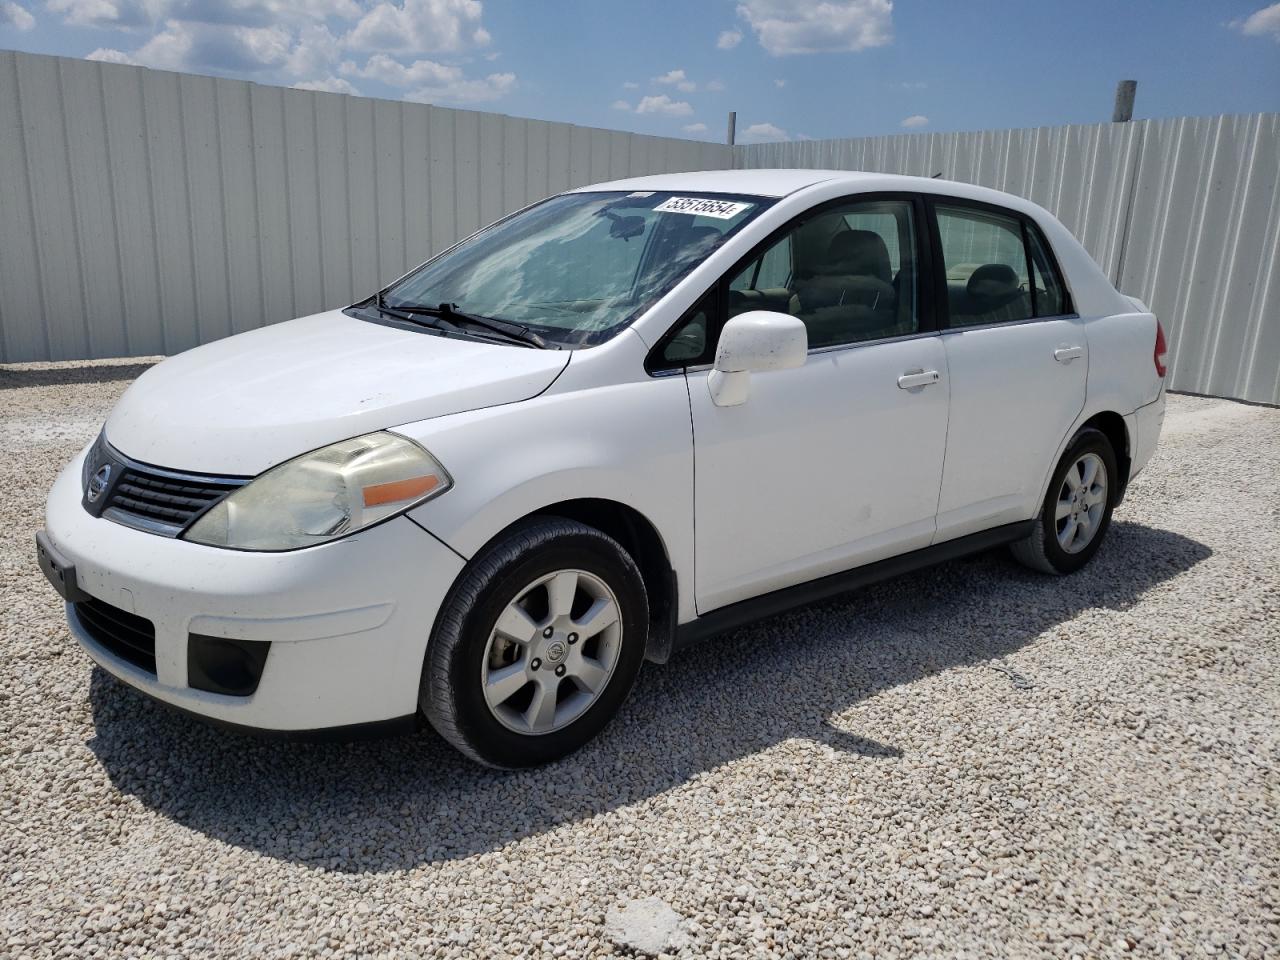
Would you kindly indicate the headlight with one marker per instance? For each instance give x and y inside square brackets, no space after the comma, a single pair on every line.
[323,495]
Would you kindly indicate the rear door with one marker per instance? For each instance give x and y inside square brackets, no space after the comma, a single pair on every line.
[1017,359]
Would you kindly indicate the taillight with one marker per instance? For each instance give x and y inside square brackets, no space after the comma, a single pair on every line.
[1161,350]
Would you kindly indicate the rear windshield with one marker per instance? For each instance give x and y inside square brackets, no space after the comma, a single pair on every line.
[579,267]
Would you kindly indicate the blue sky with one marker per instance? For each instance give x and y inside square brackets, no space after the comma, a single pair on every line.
[791,69]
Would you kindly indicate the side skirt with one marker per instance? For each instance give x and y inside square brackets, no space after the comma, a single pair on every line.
[767,605]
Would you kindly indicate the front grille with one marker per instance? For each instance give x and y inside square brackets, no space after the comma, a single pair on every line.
[159,499]
[149,498]
[127,635]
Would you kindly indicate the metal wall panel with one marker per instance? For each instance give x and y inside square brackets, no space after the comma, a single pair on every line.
[144,212]
[1204,250]
[1183,214]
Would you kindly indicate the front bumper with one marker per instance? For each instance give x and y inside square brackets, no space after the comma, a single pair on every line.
[347,621]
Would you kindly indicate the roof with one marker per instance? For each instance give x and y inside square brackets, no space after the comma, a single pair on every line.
[780,183]
[762,183]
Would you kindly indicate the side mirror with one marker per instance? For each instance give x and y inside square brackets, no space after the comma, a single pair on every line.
[758,340]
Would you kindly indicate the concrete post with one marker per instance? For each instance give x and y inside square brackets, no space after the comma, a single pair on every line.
[1125,91]
[733,123]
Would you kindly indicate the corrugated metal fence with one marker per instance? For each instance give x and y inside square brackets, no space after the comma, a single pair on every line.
[144,212]
[1183,214]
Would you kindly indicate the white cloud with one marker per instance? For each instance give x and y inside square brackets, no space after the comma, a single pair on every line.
[256,13]
[421,26]
[108,55]
[631,85]
[728,39]
[715,86]
[780,83]
[13,14]
[432,82]
[664,105]
[914,85]
[799,26]
[620,105]
[677,79]
[763,133]
[314,53]
[493,87]
[109,13]
[915,120]
[328,85]
[1261,23]
[215,48]
[694,128]
[393,73]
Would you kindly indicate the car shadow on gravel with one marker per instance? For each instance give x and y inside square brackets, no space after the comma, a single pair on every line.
[396,804]
[18,377]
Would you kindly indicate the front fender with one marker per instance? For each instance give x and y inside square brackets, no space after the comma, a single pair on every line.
[631,443]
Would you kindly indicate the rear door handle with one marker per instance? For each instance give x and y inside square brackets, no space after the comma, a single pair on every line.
[1067,354]
[917,378]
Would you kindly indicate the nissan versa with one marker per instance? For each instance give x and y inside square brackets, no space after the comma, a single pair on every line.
[621,419]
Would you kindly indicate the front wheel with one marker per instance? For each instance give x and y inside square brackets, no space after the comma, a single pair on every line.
[537,644]
[1077,508]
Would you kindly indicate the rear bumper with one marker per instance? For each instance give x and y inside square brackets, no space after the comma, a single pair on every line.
[347,622]
[1144,425]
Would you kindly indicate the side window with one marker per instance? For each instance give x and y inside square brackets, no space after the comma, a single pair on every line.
[847,272]
[770,271]
[1049,290]
[986,266]
[686,344]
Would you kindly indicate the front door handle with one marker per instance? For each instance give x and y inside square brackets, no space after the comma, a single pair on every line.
[1067,354]
[917,378]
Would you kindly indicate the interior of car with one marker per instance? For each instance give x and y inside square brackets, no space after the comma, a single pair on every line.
[847,273]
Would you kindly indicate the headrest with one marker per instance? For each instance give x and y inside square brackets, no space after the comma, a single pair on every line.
[993,281]
[859,252]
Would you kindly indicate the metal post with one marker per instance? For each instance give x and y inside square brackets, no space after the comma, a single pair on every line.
[1125,91]
[733,123]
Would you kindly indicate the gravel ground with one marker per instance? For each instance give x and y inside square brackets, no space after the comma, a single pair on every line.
[971,761]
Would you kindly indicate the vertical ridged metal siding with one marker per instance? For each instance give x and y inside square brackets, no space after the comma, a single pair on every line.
[1183,214]
[144,212]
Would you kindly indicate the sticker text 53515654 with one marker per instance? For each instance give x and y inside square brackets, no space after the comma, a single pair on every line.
[703,207]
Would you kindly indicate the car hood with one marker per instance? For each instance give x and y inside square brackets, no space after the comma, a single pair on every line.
[240,405]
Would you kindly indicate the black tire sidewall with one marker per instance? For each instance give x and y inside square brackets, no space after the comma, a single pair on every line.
[1087,441]
[485,735]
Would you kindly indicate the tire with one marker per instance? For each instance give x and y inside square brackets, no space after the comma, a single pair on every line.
[1043,549]
[472,661]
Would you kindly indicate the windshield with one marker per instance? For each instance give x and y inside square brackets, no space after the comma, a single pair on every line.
[577,268]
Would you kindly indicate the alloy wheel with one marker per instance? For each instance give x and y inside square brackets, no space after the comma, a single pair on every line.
[1082,503]
[551,652]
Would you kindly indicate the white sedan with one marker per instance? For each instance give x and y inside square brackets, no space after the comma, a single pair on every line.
[620,420]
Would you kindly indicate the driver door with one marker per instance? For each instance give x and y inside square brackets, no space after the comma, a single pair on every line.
[836,463]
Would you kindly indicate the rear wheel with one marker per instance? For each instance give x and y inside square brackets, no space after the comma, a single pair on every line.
[537,645]
[1076,512]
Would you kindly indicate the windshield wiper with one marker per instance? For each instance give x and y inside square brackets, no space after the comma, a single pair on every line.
[380,304]
[449,313]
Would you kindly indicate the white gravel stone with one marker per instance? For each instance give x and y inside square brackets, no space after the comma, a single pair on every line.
[650,926]
[970,761]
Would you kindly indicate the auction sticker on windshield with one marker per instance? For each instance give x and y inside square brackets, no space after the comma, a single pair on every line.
[702,207]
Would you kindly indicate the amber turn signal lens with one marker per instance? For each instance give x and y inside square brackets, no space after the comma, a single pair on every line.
[398,490]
